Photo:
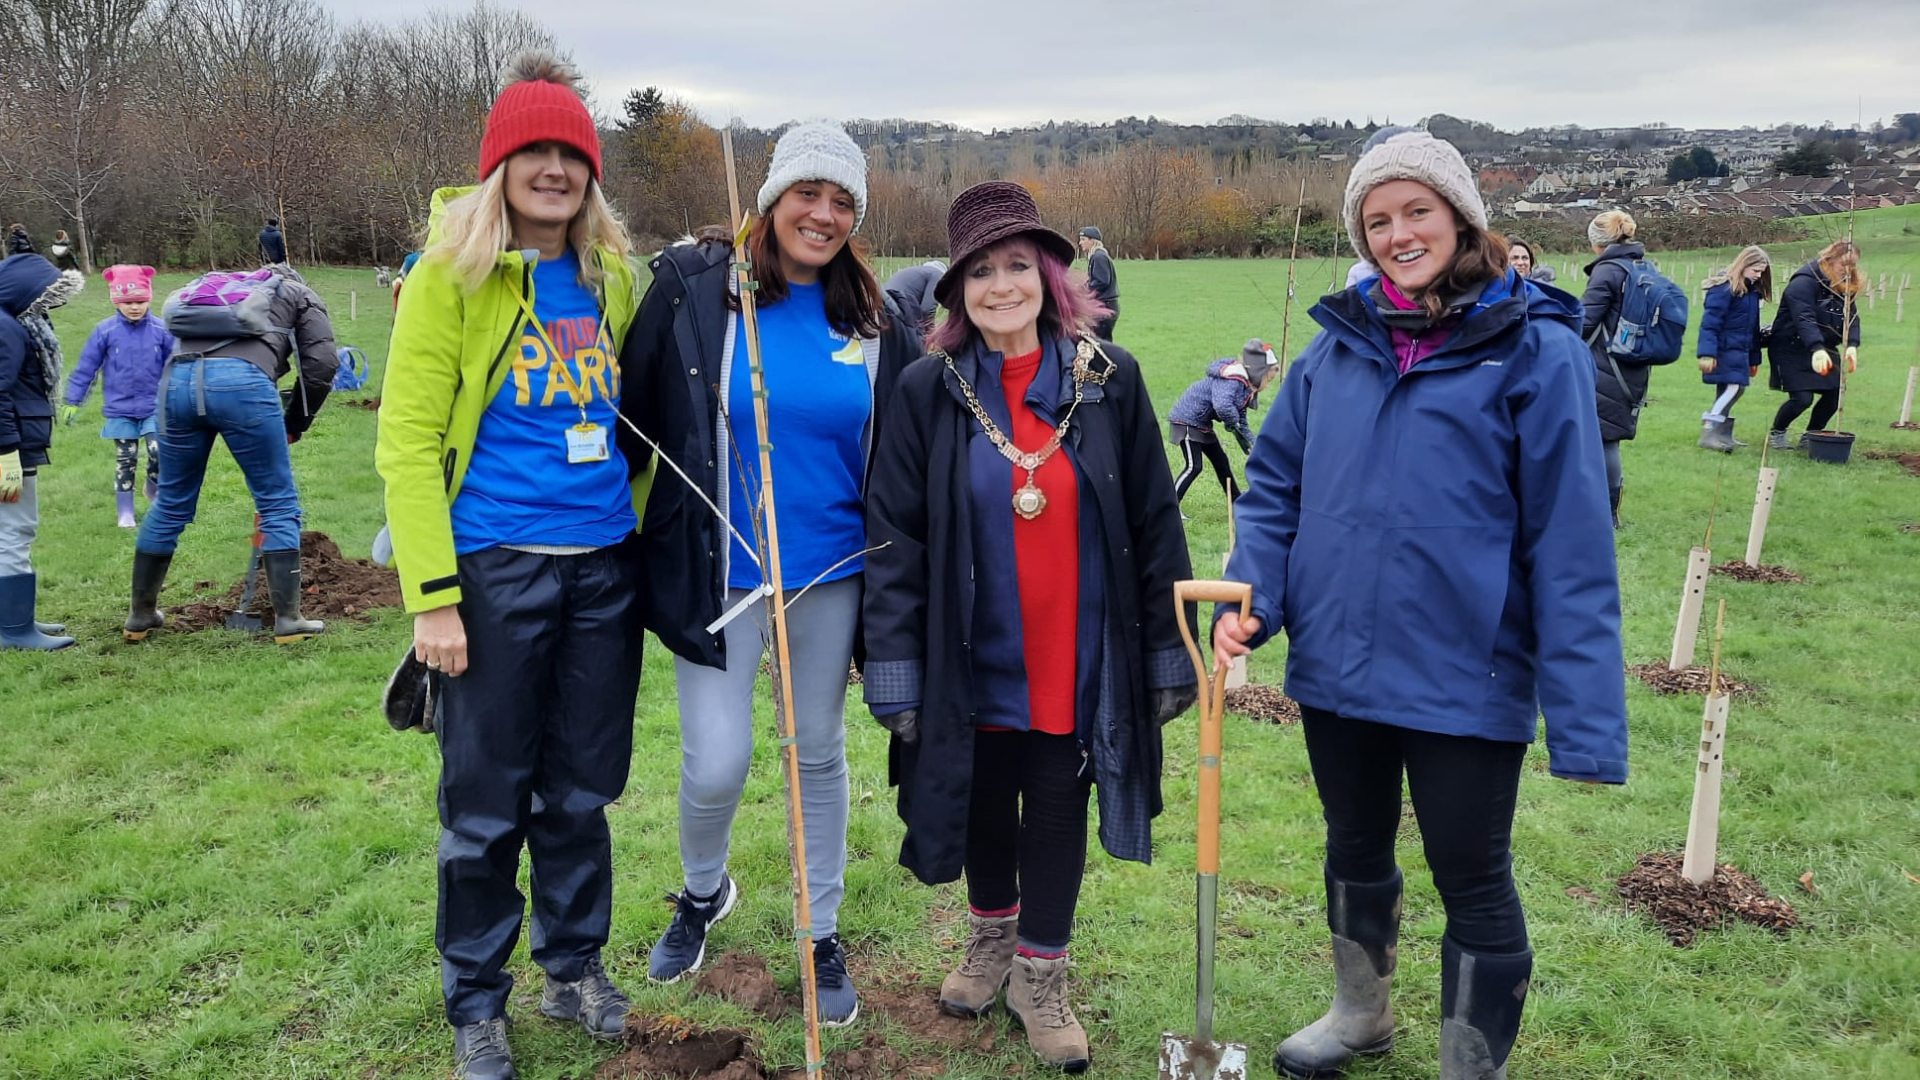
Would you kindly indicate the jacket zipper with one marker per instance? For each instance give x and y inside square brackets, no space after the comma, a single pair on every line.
[453,454]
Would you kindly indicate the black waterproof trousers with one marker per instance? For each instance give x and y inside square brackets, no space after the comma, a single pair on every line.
[535,741]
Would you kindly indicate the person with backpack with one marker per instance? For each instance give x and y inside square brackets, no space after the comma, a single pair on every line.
[1816,330]
[273,244]
[1729,341]
[18,242]
[1425,516]
[30,287]
[1634,320]
[127,350]
[512,510]
[238,335]
[1226,394]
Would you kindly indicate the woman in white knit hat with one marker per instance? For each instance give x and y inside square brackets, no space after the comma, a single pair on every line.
[831,346]
[1426,517]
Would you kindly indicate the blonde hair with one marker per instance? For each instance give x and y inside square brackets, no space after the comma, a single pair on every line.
[1750,256]
[477,226]
[1840,261]
[1611,227]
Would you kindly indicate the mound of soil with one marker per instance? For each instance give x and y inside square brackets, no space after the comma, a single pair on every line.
[742,978]
[332,586]
[1740,571]
[1256,702]
[668,1047]
[1691,680]
[1655,888]
[1909,462]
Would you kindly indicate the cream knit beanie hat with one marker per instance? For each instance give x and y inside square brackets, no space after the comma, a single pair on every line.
[817,151]
[1412,155]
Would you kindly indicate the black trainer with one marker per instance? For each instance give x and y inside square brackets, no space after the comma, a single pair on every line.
[480,1051]
[833,992]
[684,945]
[592,1001]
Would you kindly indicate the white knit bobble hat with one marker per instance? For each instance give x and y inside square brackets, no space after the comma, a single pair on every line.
[817,151]
[1412,155]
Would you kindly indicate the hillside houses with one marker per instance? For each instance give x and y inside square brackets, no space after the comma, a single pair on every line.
[1569,193]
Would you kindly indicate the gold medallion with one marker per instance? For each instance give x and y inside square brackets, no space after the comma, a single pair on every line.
[1029,500]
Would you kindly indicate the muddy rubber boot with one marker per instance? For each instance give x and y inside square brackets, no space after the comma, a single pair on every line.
[17,628]
[1481,997]
[123,505]
[1777,440]
[1716,435]
[1037,1001]
[970,989]
[283,586]
[1737,444]
[144,614]
[1365,920]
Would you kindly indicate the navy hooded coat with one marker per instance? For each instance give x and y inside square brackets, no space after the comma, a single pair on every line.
[1437,545]
[1730,333]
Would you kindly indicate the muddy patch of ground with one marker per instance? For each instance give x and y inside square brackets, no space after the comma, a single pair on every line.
[1909,426]
[1909,462]
[743,978]
[1911,527]
[371,404]
[1266,703]
[332,586]
[668,1047]
[1771,575]
[1682,909]
[1692,680]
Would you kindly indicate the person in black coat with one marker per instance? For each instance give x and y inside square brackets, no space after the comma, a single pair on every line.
[1818,314]
[1020,630]
[1620,386]
[18,242]
[273,244]
[912,291]
[1102,282]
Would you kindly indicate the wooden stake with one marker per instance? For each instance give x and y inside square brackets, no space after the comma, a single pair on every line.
[1703,828]
[1693,594]
[353,305]
[1906,403]
[769,542]
[1762,509]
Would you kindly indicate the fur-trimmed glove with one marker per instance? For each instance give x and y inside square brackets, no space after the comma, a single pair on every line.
[1170,701]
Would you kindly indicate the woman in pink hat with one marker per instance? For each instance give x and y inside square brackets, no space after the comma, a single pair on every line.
[127,351]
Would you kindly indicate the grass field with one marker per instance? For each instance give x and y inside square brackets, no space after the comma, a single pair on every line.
[219,860]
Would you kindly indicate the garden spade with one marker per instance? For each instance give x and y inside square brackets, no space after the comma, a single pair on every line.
[240,618]
[1200,1057]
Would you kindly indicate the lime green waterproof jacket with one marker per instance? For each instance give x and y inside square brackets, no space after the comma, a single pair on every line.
[450,354]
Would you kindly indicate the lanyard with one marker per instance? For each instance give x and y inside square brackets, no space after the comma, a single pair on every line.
[578,391]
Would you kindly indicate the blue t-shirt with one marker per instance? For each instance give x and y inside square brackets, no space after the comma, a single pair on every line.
[818,403]
[520,487]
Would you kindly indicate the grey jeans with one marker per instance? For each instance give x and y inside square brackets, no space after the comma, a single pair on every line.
[19,524]
[716,740]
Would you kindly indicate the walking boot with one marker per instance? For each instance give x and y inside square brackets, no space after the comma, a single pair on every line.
[144,614]
[1481,997]
[1037,1001]
[1716,434]
[123,502]
[17,628]
[1365,921]
[1777,440]
[970,989]
[480,1051]
[592,1001]
[283,587]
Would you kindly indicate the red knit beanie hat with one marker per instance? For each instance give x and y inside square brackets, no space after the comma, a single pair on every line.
[539,104]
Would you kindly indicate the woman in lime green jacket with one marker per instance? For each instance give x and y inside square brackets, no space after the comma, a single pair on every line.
[511,510]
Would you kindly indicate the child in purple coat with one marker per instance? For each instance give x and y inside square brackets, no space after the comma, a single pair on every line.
[128,351]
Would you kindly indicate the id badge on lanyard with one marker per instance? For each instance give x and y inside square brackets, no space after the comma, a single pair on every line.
[586,440]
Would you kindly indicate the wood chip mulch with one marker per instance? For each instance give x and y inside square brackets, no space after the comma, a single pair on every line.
[1266,703]
[1655,889]
[1898,426]
[1771,575]
[1691,680]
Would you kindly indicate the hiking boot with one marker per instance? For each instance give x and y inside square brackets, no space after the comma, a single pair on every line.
[684,945]
[1365,921]
[18,630]
[1481,997]
[1716,434]
[480,1051]
[591,1000]
[149,573]
[123,506]
[833,993]
[1037,1001]
[971,988]
[283,586]
[1777,440]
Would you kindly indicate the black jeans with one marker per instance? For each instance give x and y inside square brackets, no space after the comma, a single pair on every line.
[1463,795]
[1797,402]
[1027,831]
[1216,456]
[535,741]
[1103,329]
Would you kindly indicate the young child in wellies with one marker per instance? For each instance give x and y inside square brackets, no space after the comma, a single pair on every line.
[127,350]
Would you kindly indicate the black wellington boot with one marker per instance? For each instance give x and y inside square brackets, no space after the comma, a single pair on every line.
[1481,997]
[144,614]
[283,586]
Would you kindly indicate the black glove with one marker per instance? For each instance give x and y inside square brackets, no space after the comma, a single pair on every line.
[1246,444]
[905,724]
[1171,701]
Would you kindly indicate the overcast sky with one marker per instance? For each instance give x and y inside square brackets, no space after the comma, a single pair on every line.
[987,63]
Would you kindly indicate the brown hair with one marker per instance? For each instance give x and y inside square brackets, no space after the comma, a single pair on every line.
[1480,257]
[852,293]
[1840,261]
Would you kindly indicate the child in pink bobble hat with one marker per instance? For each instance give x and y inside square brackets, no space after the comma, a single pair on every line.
[127,350]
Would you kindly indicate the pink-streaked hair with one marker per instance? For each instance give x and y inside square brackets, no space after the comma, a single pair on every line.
[1067,309]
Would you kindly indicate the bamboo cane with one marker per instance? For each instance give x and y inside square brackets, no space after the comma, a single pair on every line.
[1703,827]
[769,541]
[1286,317]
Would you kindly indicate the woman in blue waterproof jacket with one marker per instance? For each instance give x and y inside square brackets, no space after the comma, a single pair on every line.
[1426,517]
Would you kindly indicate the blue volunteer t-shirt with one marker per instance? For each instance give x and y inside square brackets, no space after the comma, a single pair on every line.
[520,488]
[818,403]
